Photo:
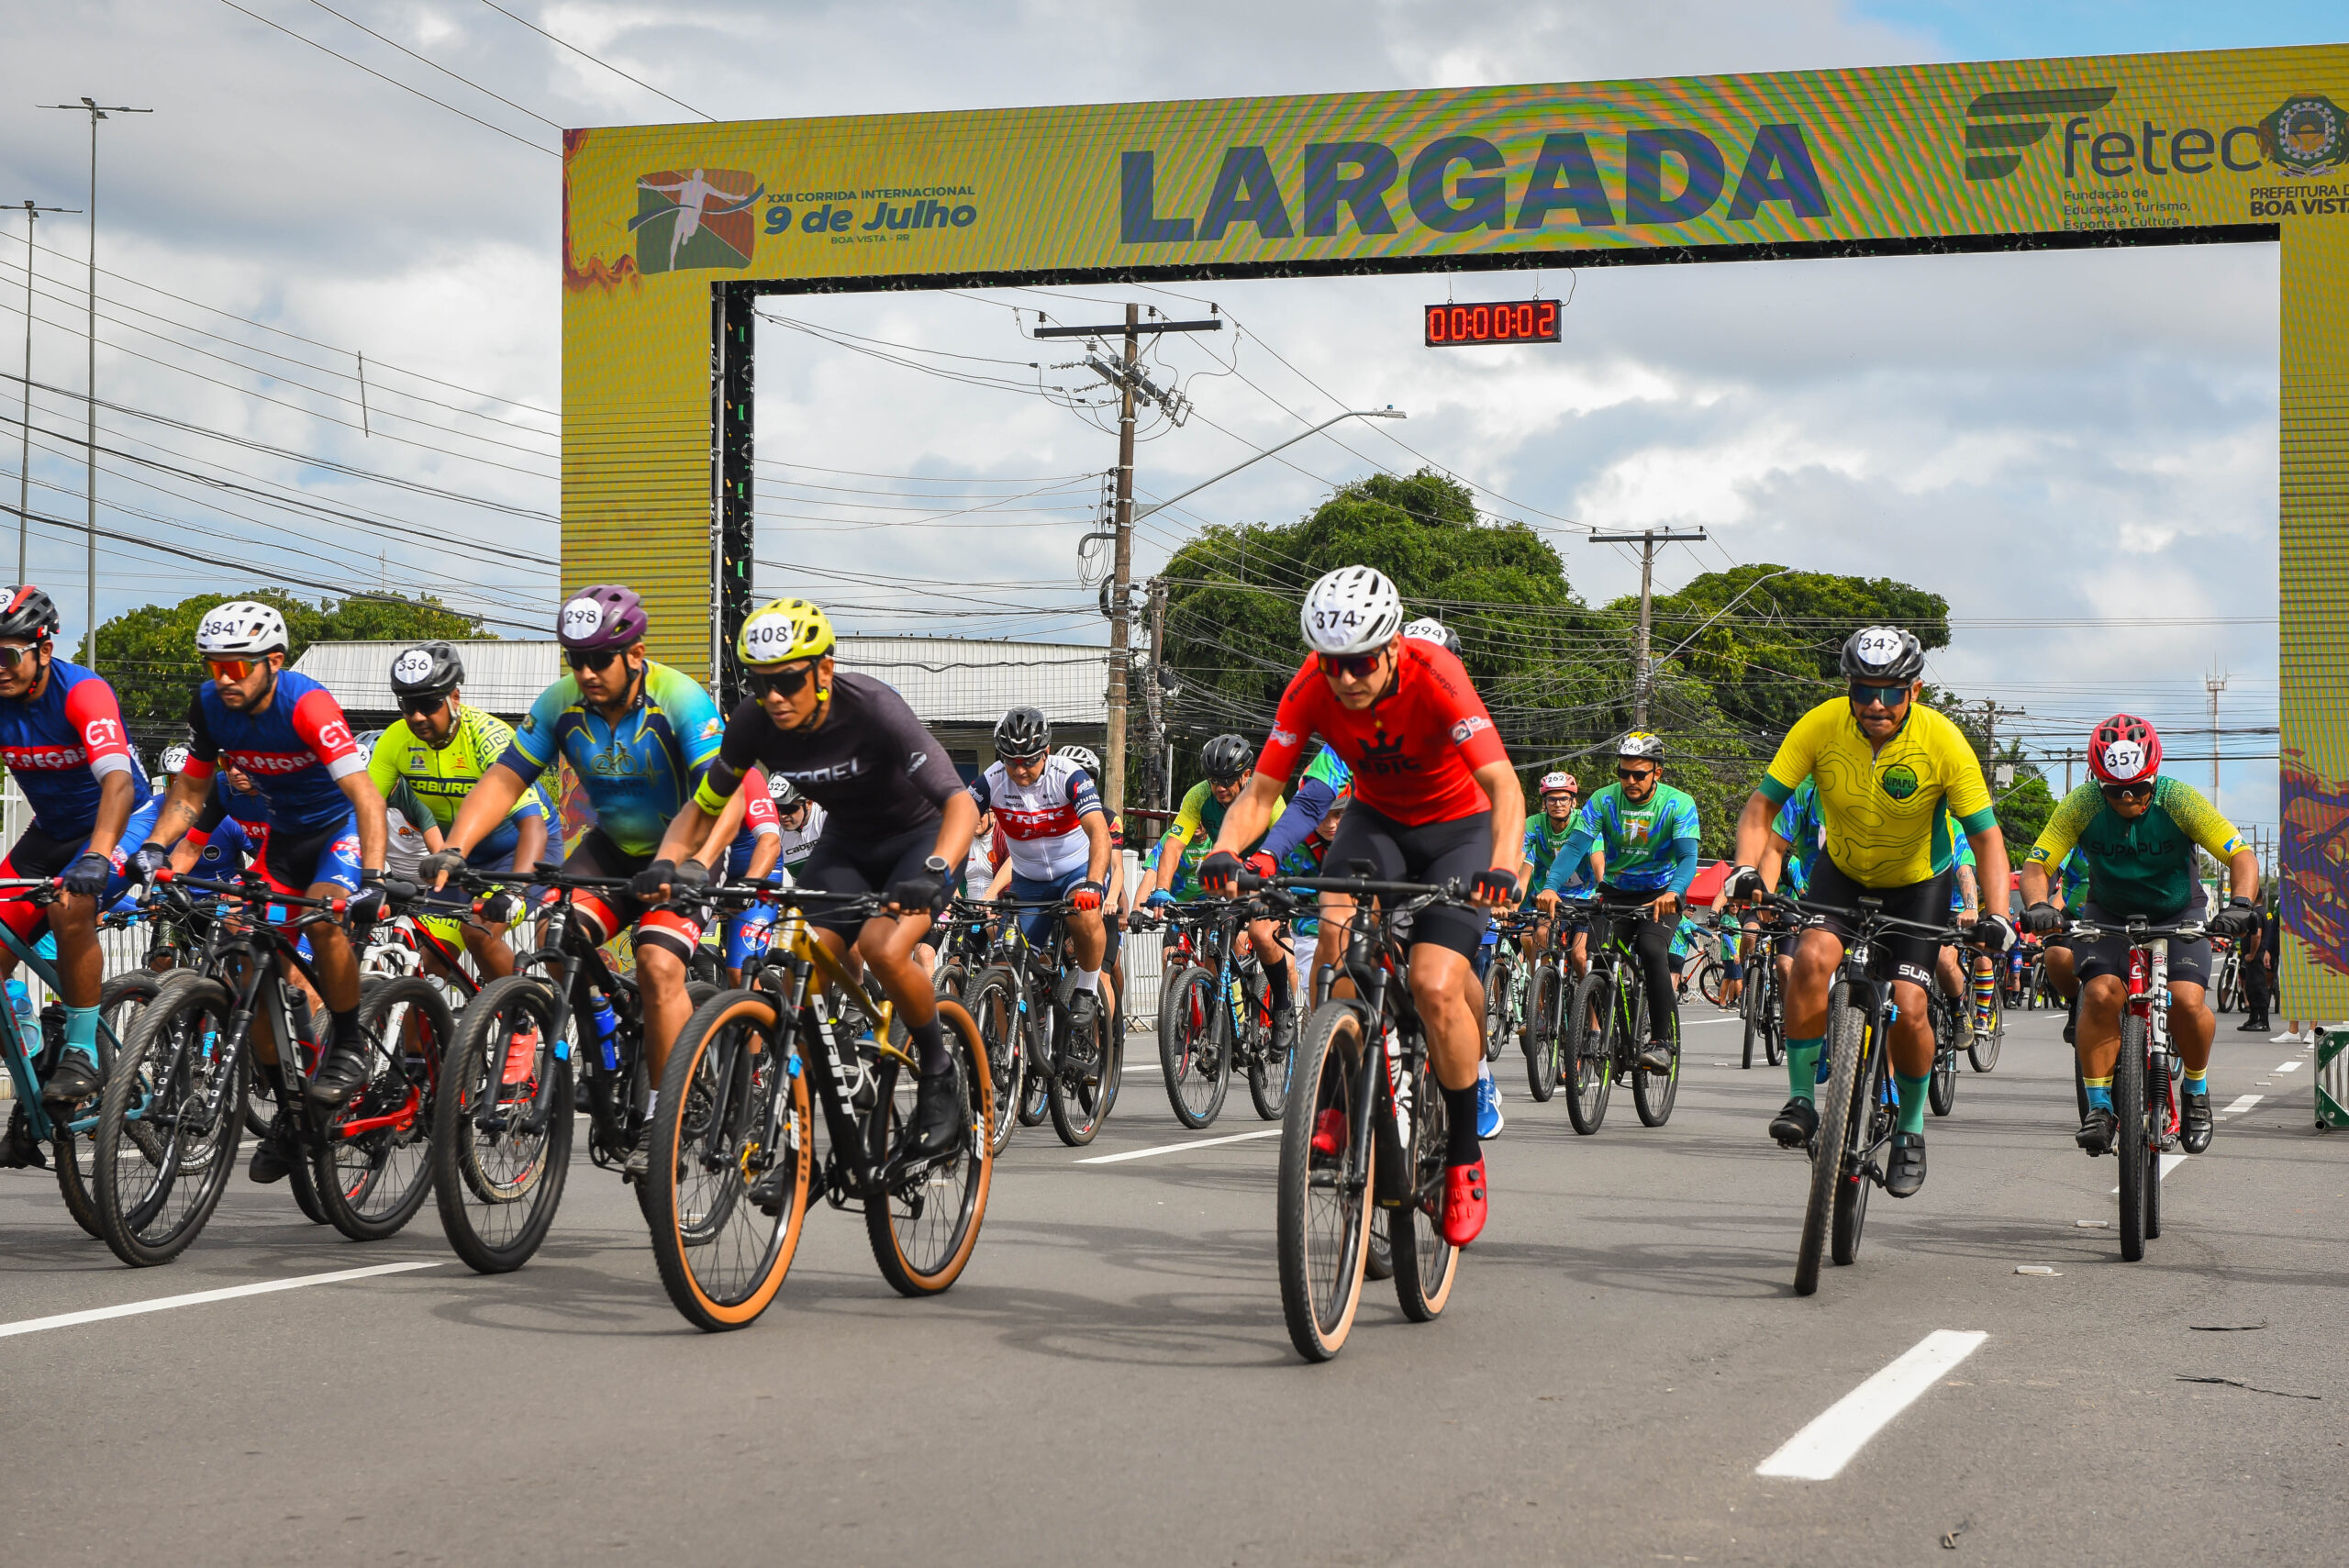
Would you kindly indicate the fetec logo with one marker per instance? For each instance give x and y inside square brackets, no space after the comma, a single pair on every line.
[695,218]
[1999,125]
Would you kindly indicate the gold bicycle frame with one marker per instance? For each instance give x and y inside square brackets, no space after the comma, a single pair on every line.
[794,936]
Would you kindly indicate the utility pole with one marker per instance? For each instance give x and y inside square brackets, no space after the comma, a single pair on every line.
[1155,694]
[25,450]
[96,112]
[1991,713]
[2214,683]
[1647,540]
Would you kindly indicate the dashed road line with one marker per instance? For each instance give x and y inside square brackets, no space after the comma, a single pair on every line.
[2292,1066]
[2242,1104]
[2169,1162]
[198,1298]
[1177,1148]
[1821,1450]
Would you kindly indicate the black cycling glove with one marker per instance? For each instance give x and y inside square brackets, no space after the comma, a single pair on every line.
[650,885]
[88,875]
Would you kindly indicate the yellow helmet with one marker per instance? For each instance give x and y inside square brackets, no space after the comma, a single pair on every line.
[782,631]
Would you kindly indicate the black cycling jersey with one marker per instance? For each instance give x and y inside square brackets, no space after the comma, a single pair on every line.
[873,766]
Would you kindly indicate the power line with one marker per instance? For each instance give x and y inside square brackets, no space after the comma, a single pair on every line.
[604,63]
[436,65]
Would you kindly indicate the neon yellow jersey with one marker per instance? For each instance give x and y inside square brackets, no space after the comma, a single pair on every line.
[1200,817]
[1884,808]
[442,779]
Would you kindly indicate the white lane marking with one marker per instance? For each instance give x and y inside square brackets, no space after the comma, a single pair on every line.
[2288,1067]
[2242,1104]
[1821,1450]
[197,1298]
[1176,1147]
[2169,1162]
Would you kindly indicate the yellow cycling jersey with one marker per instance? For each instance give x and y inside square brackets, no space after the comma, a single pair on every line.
[1882,809]
[442,779]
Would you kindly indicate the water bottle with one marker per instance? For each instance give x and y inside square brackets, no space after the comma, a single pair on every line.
[606,1027]
[27,1024]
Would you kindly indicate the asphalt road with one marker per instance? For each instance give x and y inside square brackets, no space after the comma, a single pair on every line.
[1111,1380]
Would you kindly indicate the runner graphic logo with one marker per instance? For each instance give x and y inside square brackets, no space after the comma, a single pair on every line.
[695,218]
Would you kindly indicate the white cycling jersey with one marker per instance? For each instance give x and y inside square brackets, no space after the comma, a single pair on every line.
[1042,822]
[798,843]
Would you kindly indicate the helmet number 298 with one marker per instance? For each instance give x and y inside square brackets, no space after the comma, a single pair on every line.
[580,618]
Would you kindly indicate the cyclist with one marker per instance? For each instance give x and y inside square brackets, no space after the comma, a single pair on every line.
[899,820]
[1544,836]
[799,822]
[747,840]
[1648,830]
[1228,763]
[1884,766]
[2138,830]
[327,832]
[1057,838]
[60,732]
[1964,903]
[1434,800]
[639,736]
[1117,900]
[439,749]
[1301,859]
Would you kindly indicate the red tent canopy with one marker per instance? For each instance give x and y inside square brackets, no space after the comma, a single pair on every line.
[1708,882]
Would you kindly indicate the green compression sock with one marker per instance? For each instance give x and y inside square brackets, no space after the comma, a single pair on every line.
[1912,1101]
[1802,1067]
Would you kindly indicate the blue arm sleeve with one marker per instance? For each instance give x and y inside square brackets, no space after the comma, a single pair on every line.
[1571,854]
[1684,865]
[1304,815]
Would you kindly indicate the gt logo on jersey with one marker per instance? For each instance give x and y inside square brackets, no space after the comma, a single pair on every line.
[1282,738]
[335,736]
[102,732]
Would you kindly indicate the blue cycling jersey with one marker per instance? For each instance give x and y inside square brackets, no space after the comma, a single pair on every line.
[638,773]
[60,744]
[1801,825]
[1651,845]
[294,749]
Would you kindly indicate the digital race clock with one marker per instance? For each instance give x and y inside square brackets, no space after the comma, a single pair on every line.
[1503,321]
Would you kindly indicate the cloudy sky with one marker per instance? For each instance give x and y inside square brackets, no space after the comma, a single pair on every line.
[2061,444]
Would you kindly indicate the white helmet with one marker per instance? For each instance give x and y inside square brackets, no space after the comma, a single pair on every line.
[1351,610]
[173,759]
[1427,628]
[241,626]
[1083,757]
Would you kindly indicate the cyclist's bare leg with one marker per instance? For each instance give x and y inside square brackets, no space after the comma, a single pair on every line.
[2100,1032]
[331,957]
[1329,942]
[887,946]
[1440,984]
[1816,958]
[1951,979]
[1913,1033]
[485,941]
[80,967]
[660,979]
[2061,976]
[1089,937]
[2191,1023]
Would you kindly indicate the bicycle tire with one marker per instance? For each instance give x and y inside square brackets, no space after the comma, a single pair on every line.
[1653,1093]
[1268,1080]
[1078,1103]
[495,1207]
[1191,1048]
[936,1256]
[1324,1247]
[721,1255]
[1982,1050]
[156,1076]
[1499,980]
[120,1001]
[1587,1062]
[1866,1127]
[1941,1084]
[2157,1108]
[2137,1150]
[1114,1061]
[1426,1265]
[1036,1069]
[1712,978]
[1754,1005]
[1845,1025]
[1545,998]
[992,999]
[372,1185]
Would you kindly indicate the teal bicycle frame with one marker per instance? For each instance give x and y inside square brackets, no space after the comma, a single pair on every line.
[20,1066]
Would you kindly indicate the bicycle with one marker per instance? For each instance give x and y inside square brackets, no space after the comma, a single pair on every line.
[1392,1153]
[1215,1011]
[171,1115]
[1505,982]
[2226,984]
[1982,1046]
[1021,1003]
[1707,971]
[501,1138]
[2145,1079]
[736,1132]
[1858,1109]
[1949,1030]
[1550,982]
[71,1132]
[1761,1005]
[1606,1028]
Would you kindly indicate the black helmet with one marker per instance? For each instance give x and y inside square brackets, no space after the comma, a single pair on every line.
[427,670]
[1227,757]
[1883,654]
[1022,735]
[29,615]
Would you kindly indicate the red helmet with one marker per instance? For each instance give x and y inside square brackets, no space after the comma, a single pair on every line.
[2125,749]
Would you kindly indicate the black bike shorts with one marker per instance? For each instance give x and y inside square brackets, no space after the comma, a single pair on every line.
[835,865]
[1911,956]
[1432,851]
[2189,962]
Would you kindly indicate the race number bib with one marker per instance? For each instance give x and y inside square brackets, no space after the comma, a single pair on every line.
[2124,759]
[767,640]
[1879,645]
[415,664]
[582,617]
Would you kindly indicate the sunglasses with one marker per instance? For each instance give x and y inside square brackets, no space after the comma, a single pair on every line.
[1635,775]
[419,707]
[599,660]
[781,682]
[231,670]
[2128,792]
[1883,697]
[1359,666]
[12,657]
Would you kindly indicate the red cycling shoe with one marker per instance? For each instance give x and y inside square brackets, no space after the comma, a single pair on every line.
[1329,1132]
[1464,1204]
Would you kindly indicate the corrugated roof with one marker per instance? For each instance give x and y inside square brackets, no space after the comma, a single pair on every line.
[945,680]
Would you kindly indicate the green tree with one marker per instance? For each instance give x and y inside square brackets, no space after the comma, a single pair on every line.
[149,654]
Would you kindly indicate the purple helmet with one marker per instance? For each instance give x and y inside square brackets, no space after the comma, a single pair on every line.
[605,616]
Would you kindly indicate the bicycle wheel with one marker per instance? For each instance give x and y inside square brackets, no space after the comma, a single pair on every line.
[1712,978]
[1653,1093]
[1079,1094]
[1499,979]
[1982,1050]
[2161,1133]
[1941,1088]
[497,1178]
[1754,1004]
[1036,1069]
[736,1133]
[1545,1001]
[1325,1207]
[1425,1264]
[1870,1124]
[993,1001]
[375,1169]
[1268,1075]
[1192,1047]
[1847,1027]
[120,1002]
[923,1228]
[2140,1154]
[1776,1041]
[168,1127]
[1588,1058]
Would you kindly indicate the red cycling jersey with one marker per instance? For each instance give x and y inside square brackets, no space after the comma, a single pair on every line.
[1414,751]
